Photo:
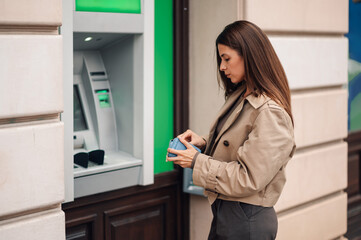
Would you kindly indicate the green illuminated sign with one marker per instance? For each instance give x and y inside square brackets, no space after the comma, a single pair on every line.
[104,100]
[102,91]
[115,6]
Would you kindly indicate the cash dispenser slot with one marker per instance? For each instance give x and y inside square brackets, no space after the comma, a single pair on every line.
[97,74]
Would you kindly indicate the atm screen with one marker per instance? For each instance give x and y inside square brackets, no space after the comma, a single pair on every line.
[79,116]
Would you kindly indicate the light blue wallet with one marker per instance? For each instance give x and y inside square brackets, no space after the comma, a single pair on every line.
[178,145]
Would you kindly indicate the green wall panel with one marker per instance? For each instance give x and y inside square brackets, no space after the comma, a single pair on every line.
[163,83]
[115,6]
[355,113]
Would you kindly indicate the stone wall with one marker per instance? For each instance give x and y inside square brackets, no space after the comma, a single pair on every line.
[31,133]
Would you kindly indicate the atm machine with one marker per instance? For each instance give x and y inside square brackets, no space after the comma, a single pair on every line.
[110,95]
[98,159]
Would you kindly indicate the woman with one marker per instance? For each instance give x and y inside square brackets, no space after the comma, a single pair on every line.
[245,154]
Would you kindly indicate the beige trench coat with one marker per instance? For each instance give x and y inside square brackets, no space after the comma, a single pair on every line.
[247,160]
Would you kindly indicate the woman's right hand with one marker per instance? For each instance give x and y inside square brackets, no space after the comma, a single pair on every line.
[193,138]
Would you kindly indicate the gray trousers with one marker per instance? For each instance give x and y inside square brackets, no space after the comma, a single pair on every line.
[237,220]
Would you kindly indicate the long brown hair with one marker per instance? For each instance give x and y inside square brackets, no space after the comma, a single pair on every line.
[263,70]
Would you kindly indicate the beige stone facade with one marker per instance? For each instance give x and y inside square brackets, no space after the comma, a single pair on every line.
[308,38]
[31,133]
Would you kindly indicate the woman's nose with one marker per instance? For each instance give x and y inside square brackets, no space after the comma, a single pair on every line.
[222,67]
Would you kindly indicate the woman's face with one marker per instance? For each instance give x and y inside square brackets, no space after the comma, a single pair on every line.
[232,64]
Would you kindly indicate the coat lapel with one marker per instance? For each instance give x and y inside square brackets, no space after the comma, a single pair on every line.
[227,105]
[231,119]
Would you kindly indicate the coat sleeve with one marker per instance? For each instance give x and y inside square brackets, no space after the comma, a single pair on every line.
[269,146]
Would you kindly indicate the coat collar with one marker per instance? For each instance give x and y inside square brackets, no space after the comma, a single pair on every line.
[255,101]
[258,101]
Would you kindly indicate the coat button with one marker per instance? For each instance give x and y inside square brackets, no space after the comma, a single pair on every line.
[226,143]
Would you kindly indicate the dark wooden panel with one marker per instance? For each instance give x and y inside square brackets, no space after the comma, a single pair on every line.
[181,97]
[181,69]
[140,220]
[144,224]
[354,218]
[142,212]
[81,232]
[353,187]
[82,228]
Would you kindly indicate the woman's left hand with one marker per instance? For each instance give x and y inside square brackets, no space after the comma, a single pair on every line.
[184,158]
